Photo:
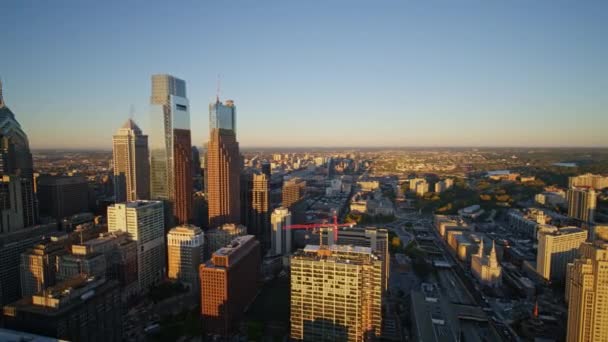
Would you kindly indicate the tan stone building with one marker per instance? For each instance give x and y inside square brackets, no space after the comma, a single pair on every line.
[185,253]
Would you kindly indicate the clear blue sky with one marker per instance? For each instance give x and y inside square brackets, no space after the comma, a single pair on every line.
[315,73]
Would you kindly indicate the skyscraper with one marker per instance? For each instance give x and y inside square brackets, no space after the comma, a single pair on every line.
[280,241]
[255,205]
[336,294]
[293,191]
[582,203]
[144,221]
[556,248]
[39,267]
[16,160]
[587,287]
[170,147]
[131,163]
[62,196]
[185,253]
[228,284]
[223,166]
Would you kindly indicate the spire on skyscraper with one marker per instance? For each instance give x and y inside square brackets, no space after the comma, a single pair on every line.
[1,97]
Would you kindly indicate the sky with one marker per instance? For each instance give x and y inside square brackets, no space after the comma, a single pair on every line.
[314,73]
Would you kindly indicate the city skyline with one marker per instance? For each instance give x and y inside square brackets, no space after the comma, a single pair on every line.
[468,75]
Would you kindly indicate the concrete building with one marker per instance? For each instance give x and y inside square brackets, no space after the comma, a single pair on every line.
[221,236]
[336,294]
[597,182]
[12,245]
[526,223]
[229,284]
[375,238]
[80,309]
[171,148]
[131,163]
[185,248]
[281,239]
[557,248]
[38,268]
[582,203]
[62,196]
[422,187]
[224,164]
[293,191]
[11,204]
[368,185]
[89,264]
[486,268]
[587,289]
[144,222]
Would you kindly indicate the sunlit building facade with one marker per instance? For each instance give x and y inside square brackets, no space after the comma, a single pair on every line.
[131,163]
[185,253]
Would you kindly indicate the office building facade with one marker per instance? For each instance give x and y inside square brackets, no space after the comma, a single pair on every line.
[171,147]
[281,238]
[38,267]
[221,236]
[185,248]
[62,196]
[131,163]
[556,248]
[293,191]
[255,204]
[336,294]
[582,203]
[228,284]
[144,222]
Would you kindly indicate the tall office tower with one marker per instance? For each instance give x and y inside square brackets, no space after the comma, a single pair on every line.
[221,236]
[78,309]
[280,240]
[171,148]
[582,203]
[16,160]
[336,294]
[11,204]
[486,268]
[266,169]
[62,196]
[186,253]
[196,162]
[255,203]
[39,267]
[228,284]
[222,115]
[597,182]
[375,238]
[293,191]
[144,221]
[557,248]
[223,166]
[587,292]
[131,164]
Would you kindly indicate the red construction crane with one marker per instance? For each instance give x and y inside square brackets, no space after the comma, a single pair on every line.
[335,225]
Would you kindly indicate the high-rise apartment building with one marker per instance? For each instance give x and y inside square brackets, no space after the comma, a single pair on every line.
[587,287]
[171,147]
[144,221]
[280,240]
[255,204]
[375,238]
[16,160]
[597,182]
[228,284]
[336,294]
[38,268]
[582,203]
[185,253]
[556,248]
[293,191]
[223,182]
[82,309]
[221,236]
[62,196]
[131,163]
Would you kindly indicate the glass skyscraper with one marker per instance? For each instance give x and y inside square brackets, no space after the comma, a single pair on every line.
[222,115]
[170,146]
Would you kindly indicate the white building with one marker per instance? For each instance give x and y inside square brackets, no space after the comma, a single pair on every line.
[557,248]
[185,248]
[486,268]
[280,241]
[144,221]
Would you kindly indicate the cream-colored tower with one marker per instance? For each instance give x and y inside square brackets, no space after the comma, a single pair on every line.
[185,254]
[486,268]
[588,290]
[336,294]
[131,163]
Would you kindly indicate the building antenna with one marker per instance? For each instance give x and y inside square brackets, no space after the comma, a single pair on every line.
[219,86]
[1,97]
